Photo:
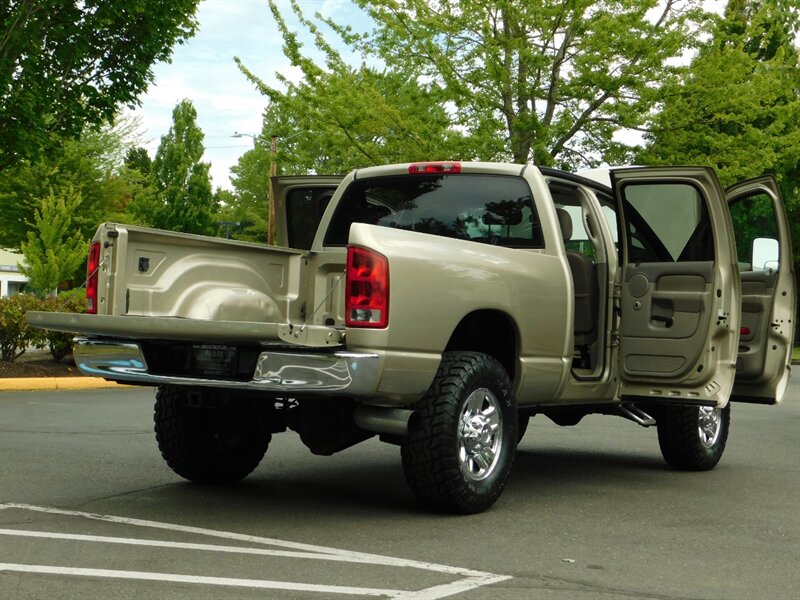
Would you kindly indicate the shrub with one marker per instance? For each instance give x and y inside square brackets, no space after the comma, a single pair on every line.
[15,333]
[59,342]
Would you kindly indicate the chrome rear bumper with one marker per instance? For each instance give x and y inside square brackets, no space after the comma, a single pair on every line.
[286,373]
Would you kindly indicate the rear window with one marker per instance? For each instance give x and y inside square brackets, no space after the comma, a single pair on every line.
[490,209]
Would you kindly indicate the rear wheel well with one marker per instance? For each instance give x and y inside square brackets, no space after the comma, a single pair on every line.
[490,332]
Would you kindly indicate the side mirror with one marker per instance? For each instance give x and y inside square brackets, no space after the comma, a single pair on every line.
[766,253]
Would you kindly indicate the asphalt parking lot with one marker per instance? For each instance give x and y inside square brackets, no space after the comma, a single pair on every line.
[88,509]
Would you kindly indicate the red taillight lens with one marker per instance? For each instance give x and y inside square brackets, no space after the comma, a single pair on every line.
[92,268]
[367,285]
[744,331]
[434,167]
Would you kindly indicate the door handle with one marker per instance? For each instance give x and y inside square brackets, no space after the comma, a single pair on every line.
[668,321]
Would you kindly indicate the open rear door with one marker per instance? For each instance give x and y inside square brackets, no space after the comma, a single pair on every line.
[679,297]
[769,292]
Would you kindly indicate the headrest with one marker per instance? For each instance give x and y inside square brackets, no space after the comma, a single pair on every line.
[565,221]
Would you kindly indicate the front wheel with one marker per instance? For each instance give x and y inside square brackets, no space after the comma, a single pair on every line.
[458,453]
[693,438]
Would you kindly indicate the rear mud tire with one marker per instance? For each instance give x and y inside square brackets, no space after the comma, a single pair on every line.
[693,438]
[458,453]
[218,441]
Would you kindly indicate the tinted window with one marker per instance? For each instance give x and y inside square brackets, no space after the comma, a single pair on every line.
[304,209]
[753,218]
[491,209]
[667,222]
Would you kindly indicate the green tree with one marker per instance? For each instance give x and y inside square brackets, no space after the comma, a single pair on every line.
[736,107]
[91,165]
[547,81]
[336,119]
[137,158]
[54,250]
[66,64]
[143,203]
[248,204]
[236,220]
[340,117]
[184,201]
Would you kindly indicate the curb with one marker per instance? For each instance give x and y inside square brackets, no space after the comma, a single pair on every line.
[23,384]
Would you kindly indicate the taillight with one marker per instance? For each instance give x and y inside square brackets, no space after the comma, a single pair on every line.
[434,167]
[367,285]
[92,268]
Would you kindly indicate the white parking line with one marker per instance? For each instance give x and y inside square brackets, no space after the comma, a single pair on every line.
[228,581]
[469,579]
[180,545]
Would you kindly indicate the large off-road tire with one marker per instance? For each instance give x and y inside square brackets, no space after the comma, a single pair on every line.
[212,441]
[458,453]
[693,438]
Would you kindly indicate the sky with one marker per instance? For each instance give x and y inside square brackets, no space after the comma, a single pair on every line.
[203,71]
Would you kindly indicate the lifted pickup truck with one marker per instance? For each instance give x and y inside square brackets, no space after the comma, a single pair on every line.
[440,306]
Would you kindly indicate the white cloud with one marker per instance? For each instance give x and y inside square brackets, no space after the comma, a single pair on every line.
[203,70]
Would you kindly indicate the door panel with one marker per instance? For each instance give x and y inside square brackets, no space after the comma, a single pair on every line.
[679,299]
[758,289]
[667,303]
[769,294]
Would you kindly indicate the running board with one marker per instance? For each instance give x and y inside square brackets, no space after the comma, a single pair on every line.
[636,414]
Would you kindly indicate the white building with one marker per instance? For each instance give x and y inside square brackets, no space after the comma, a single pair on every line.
[12,282]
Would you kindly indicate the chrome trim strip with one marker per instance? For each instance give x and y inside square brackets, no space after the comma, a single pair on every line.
[329,374]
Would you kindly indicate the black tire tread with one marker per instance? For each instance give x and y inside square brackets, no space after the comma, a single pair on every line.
[194,458]
[429,457]
[680,443]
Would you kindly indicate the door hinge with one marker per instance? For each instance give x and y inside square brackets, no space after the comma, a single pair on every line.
[617,299]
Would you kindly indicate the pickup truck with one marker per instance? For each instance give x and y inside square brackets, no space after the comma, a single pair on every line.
[439,306]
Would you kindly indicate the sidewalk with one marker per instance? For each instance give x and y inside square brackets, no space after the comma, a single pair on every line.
[37,379]
[21,384]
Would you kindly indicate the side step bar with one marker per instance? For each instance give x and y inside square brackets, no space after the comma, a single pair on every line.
[636,414]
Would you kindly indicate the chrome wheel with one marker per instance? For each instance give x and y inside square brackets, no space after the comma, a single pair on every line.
[480,435]
[709,425]
[458,453]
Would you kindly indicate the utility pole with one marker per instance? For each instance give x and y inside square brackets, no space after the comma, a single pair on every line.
[273,171]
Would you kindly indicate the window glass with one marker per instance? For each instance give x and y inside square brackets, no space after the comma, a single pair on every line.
[667,222]
[610,213]
[490,209]
[754,219]
[304,210]
[579,241]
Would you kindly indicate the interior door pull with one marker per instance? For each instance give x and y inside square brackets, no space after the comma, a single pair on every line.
[668,321]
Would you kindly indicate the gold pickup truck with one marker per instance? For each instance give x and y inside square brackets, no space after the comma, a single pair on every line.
[440,305]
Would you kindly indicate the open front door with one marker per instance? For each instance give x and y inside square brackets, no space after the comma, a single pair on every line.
[679,297]
[769,292]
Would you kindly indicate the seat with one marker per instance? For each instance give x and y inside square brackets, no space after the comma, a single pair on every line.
[584,280]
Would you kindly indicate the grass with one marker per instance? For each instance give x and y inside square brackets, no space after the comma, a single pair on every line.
[796,354]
